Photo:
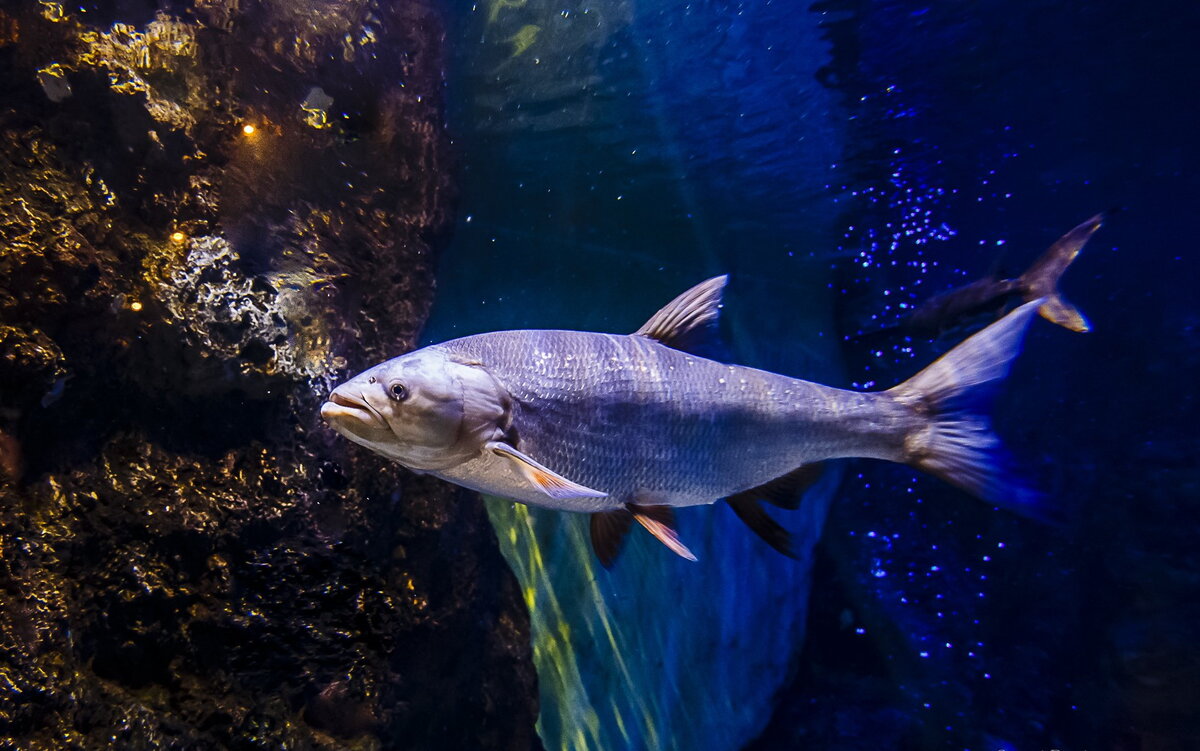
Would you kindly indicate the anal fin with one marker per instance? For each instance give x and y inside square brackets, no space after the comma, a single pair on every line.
[608,530]
[785,491]
[750,511]
[660,522]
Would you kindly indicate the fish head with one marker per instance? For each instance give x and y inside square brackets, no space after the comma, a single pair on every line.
[426,410]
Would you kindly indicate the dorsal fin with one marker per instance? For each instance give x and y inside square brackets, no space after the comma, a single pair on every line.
[689,322]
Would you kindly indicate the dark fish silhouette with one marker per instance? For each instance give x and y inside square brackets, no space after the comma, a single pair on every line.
[990,297]
[630,427]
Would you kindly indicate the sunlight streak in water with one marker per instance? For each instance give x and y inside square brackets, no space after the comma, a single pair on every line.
[556,659]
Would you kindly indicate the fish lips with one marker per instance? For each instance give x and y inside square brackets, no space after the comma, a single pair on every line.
[346,414]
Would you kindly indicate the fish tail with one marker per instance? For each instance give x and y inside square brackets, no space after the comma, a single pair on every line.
[955,440]
[1040,281]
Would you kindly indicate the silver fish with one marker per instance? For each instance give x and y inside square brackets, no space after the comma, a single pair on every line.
[627,427]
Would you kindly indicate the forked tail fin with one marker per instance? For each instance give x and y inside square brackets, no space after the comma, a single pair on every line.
[956,443]
[1040,281]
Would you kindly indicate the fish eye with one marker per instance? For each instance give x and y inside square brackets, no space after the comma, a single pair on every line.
[399,392]
[371,379]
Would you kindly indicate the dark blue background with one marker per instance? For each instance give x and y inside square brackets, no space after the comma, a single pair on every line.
[978,132]
[1031,117]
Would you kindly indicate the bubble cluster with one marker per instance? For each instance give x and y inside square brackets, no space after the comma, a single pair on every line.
[928,570]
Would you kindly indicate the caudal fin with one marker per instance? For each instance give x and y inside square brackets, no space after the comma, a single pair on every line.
[954,393]
[1041,280]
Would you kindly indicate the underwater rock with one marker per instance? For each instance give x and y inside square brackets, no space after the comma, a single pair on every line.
[232,328]
[187,557]
[30,364]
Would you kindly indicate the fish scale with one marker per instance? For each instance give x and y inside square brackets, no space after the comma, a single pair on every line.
[639,420]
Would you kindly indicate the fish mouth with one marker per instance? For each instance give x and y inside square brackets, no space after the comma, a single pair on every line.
[344,411]
[340,400]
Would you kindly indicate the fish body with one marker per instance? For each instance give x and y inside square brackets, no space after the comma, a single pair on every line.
[641,421]
[986,299]
[966,307]
[629,427]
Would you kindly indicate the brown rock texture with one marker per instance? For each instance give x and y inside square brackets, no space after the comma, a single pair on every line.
[210,212]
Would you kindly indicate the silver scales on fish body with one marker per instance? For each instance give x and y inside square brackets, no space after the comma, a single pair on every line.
[628,427]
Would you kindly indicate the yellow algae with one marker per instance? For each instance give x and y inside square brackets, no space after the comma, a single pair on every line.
[524,39]
[53,69]
[495,6]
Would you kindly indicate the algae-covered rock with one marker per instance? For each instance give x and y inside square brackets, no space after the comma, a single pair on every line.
[190,253]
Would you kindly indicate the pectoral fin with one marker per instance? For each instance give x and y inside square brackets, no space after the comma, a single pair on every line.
[608,531]
[549,482]
[660,522]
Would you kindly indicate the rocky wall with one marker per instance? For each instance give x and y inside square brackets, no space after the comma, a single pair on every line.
[211,211]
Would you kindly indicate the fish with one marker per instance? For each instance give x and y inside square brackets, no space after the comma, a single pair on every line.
[991,296]
[630,427]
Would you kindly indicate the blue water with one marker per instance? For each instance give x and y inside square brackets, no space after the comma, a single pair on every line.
[588,202]
[843,161]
